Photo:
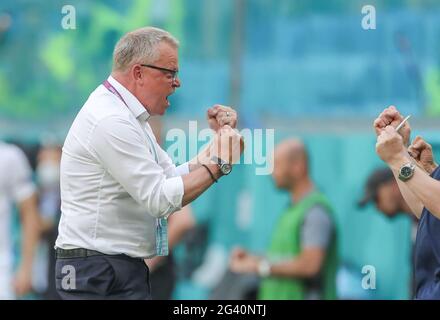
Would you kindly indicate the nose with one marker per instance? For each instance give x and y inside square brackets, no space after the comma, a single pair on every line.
[176,83]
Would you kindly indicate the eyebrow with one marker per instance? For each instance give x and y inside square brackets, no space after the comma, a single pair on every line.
[172,68]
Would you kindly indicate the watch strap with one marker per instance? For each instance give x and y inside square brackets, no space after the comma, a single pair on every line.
[264,268]
[409,165]
[210,173]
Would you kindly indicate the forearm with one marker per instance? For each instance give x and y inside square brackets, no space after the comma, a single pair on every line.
[197,181]
[193,166]
[30,240]
[31,229]
[202,158]
[294,268]
[410,198]
[421,189]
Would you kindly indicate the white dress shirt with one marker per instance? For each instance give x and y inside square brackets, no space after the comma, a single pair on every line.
[15,186]
[115,178]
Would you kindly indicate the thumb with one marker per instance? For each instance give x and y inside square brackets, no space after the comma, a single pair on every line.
[226,128]
[212,111]
[413,151]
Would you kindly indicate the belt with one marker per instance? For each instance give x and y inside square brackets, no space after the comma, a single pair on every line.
[76,253]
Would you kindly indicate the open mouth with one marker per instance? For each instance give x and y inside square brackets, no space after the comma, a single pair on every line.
[167,100]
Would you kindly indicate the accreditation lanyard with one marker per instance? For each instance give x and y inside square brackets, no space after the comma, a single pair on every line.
[161,223]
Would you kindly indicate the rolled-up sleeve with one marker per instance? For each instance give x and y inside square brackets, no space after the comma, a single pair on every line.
[182,169]
[169,167]
[125,155]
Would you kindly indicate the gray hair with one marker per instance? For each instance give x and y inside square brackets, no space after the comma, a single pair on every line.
[139,46]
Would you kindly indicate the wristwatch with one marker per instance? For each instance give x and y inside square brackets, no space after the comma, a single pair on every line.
[225,167]
[264,268]
[406,171]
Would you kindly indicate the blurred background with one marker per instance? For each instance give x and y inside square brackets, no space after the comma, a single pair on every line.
[304,68]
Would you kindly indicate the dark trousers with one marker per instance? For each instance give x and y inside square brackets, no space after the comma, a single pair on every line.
[102,277]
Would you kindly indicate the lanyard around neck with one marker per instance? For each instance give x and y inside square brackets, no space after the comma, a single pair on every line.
[113,90]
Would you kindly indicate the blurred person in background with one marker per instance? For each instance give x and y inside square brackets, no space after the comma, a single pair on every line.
[417,175]
[49,200]
[302,259]
[200,238]
[16,187]
[118,186]
[381,188]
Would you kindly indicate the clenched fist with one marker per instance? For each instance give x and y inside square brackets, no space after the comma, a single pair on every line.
[421,151]
[219,115]
[242,262]
[390,146]
[391,117]
[228,145]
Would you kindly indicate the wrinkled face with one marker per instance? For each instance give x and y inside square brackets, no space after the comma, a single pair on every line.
[388,199]
[157,85]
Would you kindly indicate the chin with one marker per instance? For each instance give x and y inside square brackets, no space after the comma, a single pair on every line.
[156,112]
[391,215]
[162,109]
[281,186]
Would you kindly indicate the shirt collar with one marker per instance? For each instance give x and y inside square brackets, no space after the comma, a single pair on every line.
[133,103]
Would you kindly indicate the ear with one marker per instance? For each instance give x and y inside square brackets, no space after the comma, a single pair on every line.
[136,72]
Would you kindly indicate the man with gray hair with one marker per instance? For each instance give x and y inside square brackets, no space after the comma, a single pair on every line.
[118,186]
